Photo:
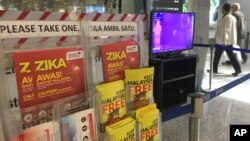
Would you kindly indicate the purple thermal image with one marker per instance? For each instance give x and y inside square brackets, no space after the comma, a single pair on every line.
[171,31]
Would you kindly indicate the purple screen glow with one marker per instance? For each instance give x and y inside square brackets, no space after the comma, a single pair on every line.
[171,31]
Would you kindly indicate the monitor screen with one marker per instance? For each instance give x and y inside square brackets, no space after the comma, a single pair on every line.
[171,31]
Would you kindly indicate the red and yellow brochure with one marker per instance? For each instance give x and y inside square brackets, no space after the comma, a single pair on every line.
[79,126]
[140,82]
[116,57]
[44,132]
[48,75]
[111,102]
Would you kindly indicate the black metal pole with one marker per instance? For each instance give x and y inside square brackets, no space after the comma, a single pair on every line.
[211,65]
[120,6]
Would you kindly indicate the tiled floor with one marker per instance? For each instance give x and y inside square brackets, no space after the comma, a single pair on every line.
[231,107]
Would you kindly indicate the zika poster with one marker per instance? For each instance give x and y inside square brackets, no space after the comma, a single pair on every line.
[116,57]
[50,74]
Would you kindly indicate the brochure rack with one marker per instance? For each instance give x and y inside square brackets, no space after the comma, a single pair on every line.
[102,34]
[37,75]
[38,43]
[106,32]
[104,40]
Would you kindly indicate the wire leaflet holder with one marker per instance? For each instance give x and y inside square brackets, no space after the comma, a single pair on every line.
[46,65]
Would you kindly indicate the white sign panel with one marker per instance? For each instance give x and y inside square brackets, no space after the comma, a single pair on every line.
[25,29]
[97,28]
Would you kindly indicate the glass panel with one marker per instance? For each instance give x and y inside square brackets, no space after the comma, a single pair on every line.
[48,5]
